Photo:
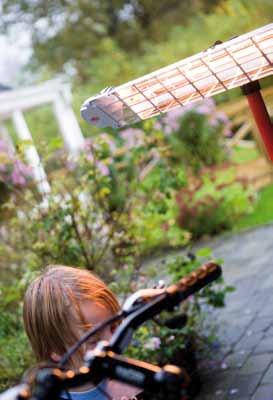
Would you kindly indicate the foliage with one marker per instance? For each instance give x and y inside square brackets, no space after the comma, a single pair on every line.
[91,219]
[160,344]
[107,208]
[15,176]
[241,155]
[98,215]
[15,351]
[71,32]
[196,134]
[116,205]
[114,65]
[262,212]
[13,172]
[213,203]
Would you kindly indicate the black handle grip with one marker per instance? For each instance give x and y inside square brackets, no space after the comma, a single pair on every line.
[196,280]
[134,372]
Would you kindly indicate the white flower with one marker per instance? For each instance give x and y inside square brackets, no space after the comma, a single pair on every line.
[153,343]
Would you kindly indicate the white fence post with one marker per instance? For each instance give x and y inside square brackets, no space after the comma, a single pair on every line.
[6,137]
[68,125]
[31,152]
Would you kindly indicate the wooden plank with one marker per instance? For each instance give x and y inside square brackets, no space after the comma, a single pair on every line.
[258,173]
[240,134]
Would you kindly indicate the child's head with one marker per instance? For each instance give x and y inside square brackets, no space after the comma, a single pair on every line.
[60,305]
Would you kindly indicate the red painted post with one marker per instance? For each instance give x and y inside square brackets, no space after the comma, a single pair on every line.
[260,114]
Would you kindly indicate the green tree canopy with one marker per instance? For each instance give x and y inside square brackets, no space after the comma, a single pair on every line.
[70,31]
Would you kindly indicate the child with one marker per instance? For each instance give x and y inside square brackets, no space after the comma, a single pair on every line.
[59,306]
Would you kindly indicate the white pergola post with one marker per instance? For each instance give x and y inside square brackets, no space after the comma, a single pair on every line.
[56,93]
[31,153]
[6,137]
[68,125]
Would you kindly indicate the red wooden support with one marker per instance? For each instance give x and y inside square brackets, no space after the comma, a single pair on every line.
[260,114]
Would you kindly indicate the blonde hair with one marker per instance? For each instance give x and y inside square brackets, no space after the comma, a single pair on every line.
[52,313]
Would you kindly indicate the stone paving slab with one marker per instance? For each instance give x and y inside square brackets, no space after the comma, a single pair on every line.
[264,392]
[246,323]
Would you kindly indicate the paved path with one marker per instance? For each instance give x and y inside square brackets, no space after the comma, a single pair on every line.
[246,334]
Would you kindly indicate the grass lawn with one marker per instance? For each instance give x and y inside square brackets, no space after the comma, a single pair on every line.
[241,155]
[262,212]
[263,208]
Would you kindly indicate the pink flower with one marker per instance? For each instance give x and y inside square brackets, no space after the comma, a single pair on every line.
[104,170]
[88,143]
[3,167]
[17,179]
[4,148]
[214,122]
[90,157]
[24,169]
[14,171]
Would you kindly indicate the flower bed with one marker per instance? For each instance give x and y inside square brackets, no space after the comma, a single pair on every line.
[15,176]
[118,202]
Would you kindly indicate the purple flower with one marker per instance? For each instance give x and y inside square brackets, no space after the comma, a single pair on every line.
[107,139]
[133,137]
[222,117]
[206,106]
[170,123]
[157,125]
[71,165]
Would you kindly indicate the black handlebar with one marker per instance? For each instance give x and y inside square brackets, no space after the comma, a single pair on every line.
[167,300]
[169,379]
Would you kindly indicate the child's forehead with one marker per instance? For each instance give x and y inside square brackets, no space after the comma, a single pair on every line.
[94,313]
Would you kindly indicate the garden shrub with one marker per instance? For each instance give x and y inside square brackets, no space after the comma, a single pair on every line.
[91,218]
[16,354]
[114,204]
[160,344]
[196,135]
[213,202]
[15,175]
[103,211]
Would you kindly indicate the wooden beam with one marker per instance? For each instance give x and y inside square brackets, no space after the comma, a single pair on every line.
[240,134]
[28,98]
[54,92]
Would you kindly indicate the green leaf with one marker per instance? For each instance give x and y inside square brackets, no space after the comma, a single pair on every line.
[229,289]
[204,252]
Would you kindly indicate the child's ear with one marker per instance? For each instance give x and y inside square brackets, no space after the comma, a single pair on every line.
[55,357]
